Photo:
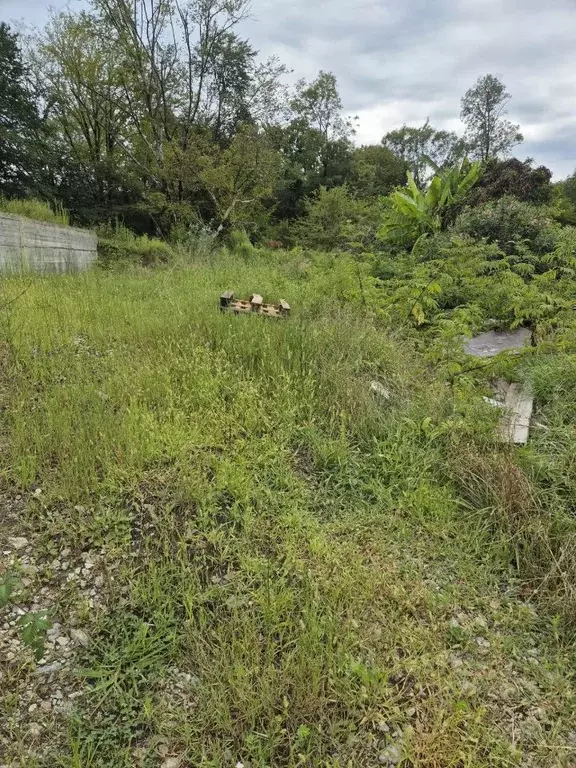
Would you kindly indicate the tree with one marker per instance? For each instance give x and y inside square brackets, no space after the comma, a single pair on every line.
[484,108]
[513,177]
[319,106]
[80,72]
[232,181]
[425,150]
[315,144]
[20,122]
[376,170]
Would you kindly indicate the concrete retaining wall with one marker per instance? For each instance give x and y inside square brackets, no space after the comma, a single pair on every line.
[27,245]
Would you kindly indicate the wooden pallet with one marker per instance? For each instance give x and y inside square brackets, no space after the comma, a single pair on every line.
[255,304]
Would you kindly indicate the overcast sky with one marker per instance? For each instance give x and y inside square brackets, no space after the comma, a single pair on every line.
[401,62]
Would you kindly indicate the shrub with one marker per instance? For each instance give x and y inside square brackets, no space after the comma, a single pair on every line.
[239,242]
[334,220]
[510,223]
[39,210]
[117,244]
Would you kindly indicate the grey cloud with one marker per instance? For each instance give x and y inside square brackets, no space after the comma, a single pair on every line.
[405,61]
[415,60]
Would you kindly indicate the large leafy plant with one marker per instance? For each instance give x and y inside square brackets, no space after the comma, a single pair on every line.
[410,213]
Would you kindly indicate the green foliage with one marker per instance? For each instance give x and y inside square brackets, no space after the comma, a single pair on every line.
[488,133]
[334,220]
[33,625]
[376,170]
[240,243]
[503,178]
[410,213]
[119,244]
[425,150]
[20,123]
[512,224]
[9,583]
[563,206]
[458,280]
[33,629]
[36,209]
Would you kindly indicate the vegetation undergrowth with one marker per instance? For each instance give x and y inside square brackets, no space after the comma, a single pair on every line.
[36,209]
[294,568]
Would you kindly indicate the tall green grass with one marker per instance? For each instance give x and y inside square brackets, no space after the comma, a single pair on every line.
[291,577]
[36,209]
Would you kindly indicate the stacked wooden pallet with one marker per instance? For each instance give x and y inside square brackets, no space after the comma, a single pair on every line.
[255,304]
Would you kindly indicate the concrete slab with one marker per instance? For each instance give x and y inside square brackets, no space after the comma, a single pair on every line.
[491,343]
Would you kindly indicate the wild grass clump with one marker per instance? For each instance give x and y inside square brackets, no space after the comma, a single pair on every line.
[36,209]
[117,245]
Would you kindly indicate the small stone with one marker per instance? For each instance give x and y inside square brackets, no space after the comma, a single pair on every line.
[390,756]
[58,694]
[32,708]
[80,637]
[17,542]
[65,552]
[35,730]
[380,390]
[62,640]
[171,762]
[45,706]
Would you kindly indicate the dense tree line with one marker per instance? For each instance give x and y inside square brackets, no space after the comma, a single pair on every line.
[159,113]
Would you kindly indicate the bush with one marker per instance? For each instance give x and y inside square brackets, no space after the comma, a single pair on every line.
[511,223]
[39,210]
[119,244]
[239,242]
[334,220]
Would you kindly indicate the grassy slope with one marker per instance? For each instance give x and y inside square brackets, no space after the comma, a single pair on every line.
[288,575]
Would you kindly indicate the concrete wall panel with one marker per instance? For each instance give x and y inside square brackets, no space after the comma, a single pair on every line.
[27,245]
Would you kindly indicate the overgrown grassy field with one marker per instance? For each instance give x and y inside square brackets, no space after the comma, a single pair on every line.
[256,559]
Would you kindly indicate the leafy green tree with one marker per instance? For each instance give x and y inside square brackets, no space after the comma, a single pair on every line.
[232,181]
[20,124]
[484,108]
[513,224]
[425,150]
[315,144]
[81,76]
[375,171]
[569,188]
[318,106]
